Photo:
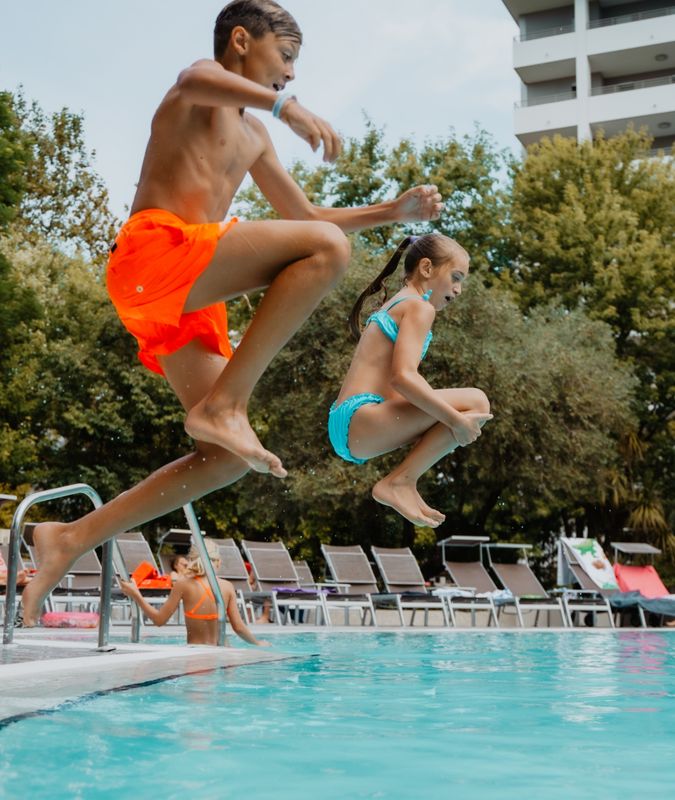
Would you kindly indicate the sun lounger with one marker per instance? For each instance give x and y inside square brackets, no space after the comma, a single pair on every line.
[642,578]
[472,588]
[582,562]
[403,578]
[276,577]
[350,569]
[518,578]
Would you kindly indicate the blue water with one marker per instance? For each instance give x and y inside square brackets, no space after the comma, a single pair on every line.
[388,715]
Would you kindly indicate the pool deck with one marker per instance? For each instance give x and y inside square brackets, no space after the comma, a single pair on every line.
[43,669]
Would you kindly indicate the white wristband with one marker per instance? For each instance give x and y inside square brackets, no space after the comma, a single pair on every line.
[280,102]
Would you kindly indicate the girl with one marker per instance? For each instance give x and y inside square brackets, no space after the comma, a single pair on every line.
[384,402]
[199,604]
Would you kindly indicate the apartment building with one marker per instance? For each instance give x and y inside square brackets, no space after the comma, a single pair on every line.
[587,65]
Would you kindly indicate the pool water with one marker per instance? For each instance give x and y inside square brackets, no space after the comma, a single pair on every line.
[376,715]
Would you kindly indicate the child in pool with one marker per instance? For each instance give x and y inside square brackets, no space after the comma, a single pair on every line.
[384,402]
[199,604]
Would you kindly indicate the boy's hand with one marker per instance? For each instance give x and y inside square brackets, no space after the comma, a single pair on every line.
[312,129]
[468,430]
[419,204]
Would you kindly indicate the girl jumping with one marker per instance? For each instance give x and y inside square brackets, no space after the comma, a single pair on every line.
[384,402]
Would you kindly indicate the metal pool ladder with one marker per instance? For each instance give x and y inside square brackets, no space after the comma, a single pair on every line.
[110,552]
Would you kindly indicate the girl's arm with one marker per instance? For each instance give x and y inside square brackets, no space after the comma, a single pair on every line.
[237,623]
[158,616]
[414,326]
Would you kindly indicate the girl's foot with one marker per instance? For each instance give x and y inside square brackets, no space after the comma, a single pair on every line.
[430,512]
[231,430]
[55,556]
[403,497]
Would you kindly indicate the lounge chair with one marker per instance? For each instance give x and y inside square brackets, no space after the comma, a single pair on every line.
[518,578]
[575,566]
[354,577]
[276,578]
[473,589]
[180,540]
[643,578]
[403,578]
[304,574]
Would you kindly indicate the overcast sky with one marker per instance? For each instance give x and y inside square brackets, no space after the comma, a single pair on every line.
[416,67]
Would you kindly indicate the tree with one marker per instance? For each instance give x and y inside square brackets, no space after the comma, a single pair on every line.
[592,225]
[65,201]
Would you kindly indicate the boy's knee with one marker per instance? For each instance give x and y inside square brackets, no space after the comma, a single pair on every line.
[335,247]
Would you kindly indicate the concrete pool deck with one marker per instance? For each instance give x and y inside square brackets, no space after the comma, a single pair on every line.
[45,668]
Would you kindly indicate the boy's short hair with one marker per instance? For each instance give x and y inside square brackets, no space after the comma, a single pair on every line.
[258,17]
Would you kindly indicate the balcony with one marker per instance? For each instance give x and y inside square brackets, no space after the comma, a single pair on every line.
[629,86]
[542,34]
[547,98]
[636,17]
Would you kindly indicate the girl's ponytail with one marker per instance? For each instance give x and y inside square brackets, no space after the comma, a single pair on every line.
[377,285]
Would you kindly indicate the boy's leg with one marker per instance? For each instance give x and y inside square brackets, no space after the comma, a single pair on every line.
[390,425]
[191,372]
[299,262]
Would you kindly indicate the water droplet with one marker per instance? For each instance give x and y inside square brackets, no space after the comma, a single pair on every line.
[139,288]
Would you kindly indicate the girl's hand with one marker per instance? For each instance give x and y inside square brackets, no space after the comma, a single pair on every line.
[312,129]
[468,429]
[129,588]
[419,204]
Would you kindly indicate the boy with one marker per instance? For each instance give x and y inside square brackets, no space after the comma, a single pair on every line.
[173,263]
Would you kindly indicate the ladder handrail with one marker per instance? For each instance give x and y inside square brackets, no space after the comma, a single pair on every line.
[198,539]
[15,535]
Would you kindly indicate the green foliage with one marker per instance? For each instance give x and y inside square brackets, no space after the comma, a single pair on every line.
[65,201]
[14,160]
[592,225]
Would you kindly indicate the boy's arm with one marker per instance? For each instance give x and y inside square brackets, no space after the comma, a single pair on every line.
[159,616]
[237,623]
[208,83]
[420,204]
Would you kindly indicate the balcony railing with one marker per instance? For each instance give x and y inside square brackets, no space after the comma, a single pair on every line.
[636,17]
[547,98]
[542,34]
[629,86]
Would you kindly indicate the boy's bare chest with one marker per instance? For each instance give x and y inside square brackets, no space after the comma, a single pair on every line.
[232,143]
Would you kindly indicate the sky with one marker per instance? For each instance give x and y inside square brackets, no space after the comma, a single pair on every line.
[417,68]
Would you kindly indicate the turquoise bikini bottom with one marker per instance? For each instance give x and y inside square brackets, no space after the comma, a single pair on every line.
[339,418]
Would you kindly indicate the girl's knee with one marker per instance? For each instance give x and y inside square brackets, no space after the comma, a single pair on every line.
[481,402]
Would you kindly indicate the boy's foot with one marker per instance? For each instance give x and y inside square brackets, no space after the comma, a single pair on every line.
[54,558]
[404,499]
[232,431]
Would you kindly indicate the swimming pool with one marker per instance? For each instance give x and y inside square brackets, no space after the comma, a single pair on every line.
[375,715]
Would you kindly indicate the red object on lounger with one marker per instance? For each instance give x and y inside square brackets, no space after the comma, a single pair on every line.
[70,619]
[640,579]
[145,576]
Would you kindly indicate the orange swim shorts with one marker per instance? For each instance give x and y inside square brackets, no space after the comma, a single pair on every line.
[153,265]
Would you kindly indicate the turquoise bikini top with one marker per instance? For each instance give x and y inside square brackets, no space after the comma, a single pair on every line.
[388,325]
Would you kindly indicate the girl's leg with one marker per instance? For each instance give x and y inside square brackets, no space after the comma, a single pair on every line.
[300,262]
[191,372]
[378,429]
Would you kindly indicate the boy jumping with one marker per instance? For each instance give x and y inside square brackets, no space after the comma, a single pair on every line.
[173,264]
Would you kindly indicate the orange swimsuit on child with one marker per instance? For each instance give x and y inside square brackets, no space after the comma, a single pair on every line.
[207,594]
[153,265]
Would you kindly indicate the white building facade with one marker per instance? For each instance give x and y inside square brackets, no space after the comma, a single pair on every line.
[591,65]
